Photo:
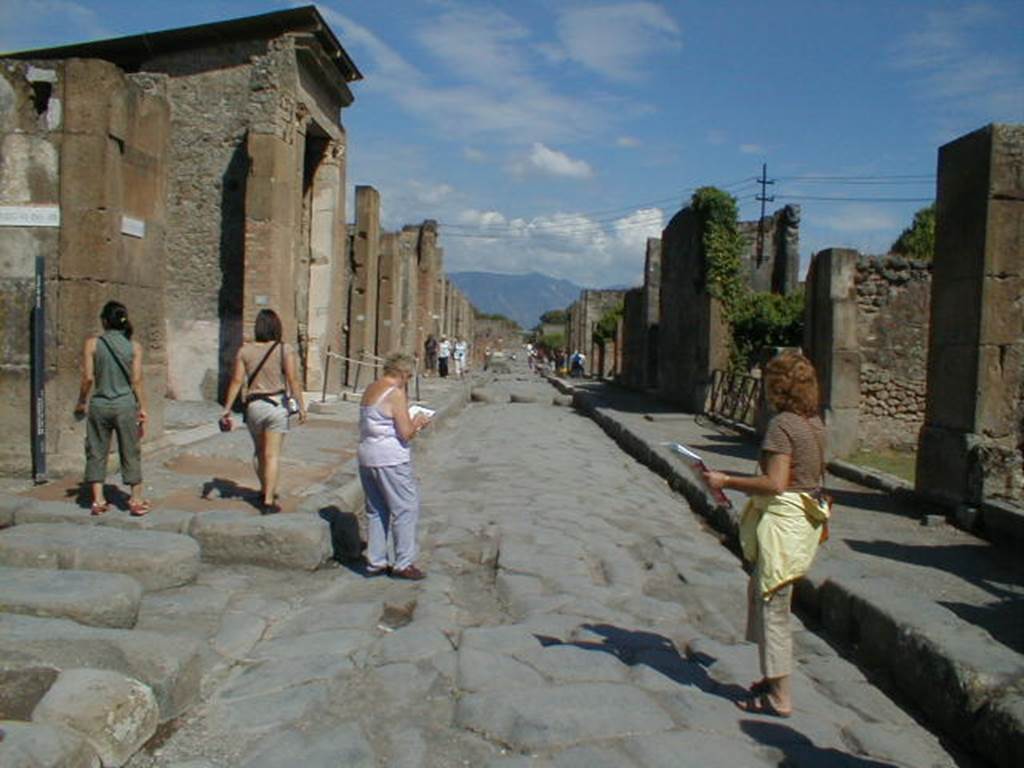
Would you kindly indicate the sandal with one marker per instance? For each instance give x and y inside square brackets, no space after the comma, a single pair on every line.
[759,688]
[760,705]
[139,508]
[99,508]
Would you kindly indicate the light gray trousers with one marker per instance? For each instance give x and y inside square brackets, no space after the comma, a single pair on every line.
[392,506]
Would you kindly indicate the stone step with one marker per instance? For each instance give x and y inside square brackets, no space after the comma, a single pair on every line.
[157,560]
[88,597]
[35,511]
[277,541]
[169,665]
[40,745]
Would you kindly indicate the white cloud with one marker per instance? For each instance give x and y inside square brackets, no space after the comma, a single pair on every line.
[430,194]
[616,40]
[555,163]
[589,251]
[473,154]
[859,218]
[951,63]
[629,142]
[751,149]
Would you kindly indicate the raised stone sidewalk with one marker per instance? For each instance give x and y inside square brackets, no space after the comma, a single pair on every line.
[933,612]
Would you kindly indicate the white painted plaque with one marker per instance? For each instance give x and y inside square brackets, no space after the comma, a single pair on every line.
[261,300]
[29,215]
[133,227]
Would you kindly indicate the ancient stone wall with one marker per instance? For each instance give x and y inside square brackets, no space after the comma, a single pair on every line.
[407,240]
[91,145]
[632,339]
[692,335]
[651,312]
[428,319]
[892,295]
[389,296]
[970,447]
[778,267]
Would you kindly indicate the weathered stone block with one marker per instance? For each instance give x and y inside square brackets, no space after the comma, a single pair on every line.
[999,388]
[1007,171]
[952,373]
[1003,237]
[95,599]
[277,541]
[9,507]
[169,665]
[115,714]
[40,745]
[942,463]
[156,560]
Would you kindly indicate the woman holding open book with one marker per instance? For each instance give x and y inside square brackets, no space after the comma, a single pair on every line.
[782,523]
[385,470]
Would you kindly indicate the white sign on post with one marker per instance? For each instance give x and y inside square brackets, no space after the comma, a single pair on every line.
[29,215]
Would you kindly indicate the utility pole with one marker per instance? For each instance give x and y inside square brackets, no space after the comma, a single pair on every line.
[764,181]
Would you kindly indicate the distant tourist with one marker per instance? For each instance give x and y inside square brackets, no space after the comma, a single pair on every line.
[385,470]
[782,524]
[269,370]
[444,352]
[112,399]
[576,362]
[459,355]
[430,352]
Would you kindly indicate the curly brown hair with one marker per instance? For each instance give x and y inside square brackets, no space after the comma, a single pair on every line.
[791,384]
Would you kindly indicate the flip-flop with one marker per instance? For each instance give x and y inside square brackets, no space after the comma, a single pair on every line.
[759,688]
[99,508]
[760,705]
[139,508]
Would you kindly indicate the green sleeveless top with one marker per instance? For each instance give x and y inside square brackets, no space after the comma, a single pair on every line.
[111,386]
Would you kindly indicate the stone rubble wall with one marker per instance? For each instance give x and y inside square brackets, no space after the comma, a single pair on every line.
[892,296]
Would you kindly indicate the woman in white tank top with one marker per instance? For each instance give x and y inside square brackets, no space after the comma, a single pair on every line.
[385,470]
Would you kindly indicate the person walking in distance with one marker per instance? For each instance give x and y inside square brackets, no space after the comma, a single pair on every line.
[385,471]
[430,352]
[269,371]
[782,523]
[459,353]
[112,399]
[444,352]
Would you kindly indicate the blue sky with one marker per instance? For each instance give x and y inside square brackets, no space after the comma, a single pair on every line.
[558,136]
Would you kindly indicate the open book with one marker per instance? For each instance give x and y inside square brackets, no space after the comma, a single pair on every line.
[698,468]
[415,410]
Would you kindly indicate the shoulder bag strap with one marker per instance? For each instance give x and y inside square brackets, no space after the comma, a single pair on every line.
[259,367]
[120,364]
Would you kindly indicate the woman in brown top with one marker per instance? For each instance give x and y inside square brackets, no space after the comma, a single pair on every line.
[270,370]
[782,524]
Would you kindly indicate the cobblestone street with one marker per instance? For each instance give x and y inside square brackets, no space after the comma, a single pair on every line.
[576,613]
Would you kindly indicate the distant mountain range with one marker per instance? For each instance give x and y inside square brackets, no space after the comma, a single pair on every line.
[523,298]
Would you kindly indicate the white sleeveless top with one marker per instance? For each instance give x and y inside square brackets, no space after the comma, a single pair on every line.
[379,443]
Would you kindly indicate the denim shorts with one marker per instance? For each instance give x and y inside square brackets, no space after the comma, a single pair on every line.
[263,416]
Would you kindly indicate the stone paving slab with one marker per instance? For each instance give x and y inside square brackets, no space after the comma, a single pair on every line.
[546,717]
[87,597]
[276,541]
[933,621]
[168,665]
[36,511]
[9,506]
[156,560]
[41,745]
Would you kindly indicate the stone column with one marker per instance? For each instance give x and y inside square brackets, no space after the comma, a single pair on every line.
[365,256]
[427,276]
[389,296]
[830,341]
[969,448]
[647,373]
[326,268]
[407,262]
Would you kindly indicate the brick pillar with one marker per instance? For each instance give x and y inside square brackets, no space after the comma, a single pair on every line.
[970,445]
[389,296]
[647,373]
[365,256]
[830,341]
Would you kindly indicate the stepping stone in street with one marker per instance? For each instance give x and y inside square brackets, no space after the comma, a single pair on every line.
[115,714]
[169,665]
[28,745]
[53,512]
[523,397]
[9,505]
[88,597]
[167,520]
[298,541]
[156,560]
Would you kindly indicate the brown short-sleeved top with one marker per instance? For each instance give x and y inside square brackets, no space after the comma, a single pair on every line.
[270,380]
[803,440]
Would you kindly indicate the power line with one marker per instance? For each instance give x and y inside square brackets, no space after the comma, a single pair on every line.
[858,199]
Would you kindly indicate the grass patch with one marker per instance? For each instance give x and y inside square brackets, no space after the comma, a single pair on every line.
[898,463]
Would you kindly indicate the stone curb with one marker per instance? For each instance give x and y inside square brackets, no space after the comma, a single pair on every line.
[980,710]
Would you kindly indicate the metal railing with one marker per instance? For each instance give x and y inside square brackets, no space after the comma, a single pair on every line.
[735,396]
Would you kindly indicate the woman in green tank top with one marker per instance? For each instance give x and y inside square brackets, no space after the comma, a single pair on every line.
[112,375]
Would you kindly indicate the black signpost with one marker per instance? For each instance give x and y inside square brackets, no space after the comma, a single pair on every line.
[38,378]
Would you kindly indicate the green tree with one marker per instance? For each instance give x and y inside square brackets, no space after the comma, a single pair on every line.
[554,317]
[608,325]
[918,240]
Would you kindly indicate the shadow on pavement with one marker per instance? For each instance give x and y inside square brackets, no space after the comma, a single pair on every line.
[345,539]
[798,750]
[229,489]
[1003,619]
